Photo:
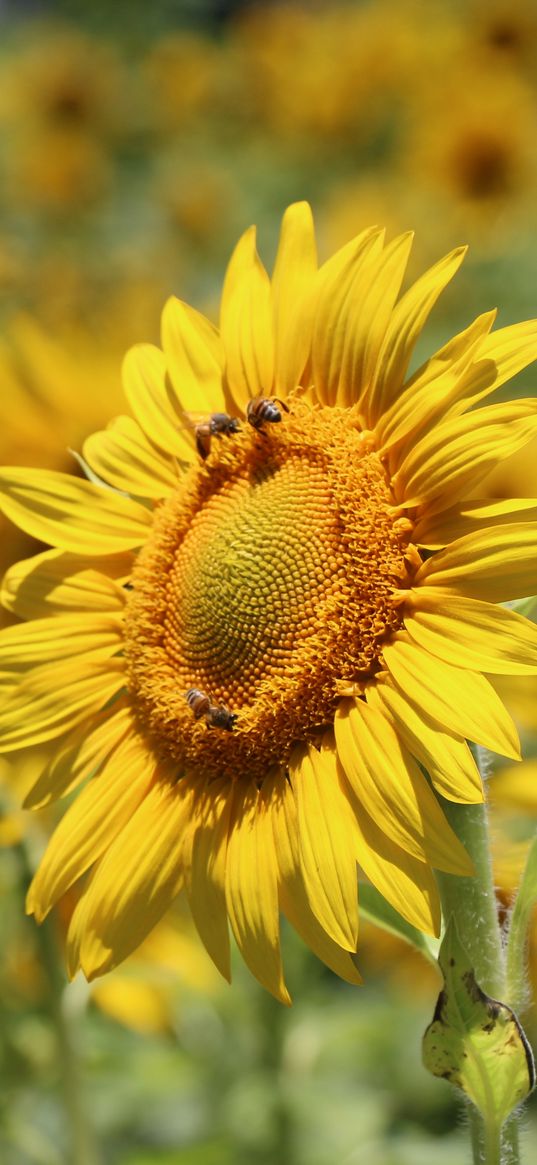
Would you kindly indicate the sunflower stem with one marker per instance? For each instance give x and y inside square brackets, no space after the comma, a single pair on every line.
[472,901]
[472,904]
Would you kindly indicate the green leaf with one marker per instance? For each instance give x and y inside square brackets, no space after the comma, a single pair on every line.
[518,930]
[527,607]
[374,907]
[476,1042]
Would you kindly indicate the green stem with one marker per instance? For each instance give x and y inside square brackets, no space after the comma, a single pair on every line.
[82,1149]
[510,1146]
[472,902]
[491,1147]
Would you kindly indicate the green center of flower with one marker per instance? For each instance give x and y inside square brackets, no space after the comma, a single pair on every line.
[249,575]
[268,580]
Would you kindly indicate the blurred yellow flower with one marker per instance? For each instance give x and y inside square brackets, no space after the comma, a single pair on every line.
[54,392]
[181,75]
[201,203]
[469,141]
[58,76]
[56,169]
[320,72]
[505,31]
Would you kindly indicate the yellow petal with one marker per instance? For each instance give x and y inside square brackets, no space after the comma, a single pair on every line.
[192,359]
[445,756]
[454,699]
[246,324]
[91,823]
[456,354]
[407,884]
[145,380]
[252,889]
[492,564]
[370,308]
[206,330]
[511,349]
[325,842]
[334,290]
[41,641]
[71,514]
[292,891]
[295,267]
[472,634]
[53,698]
[468,517]
[406,324]
[80,755]
[426,397]
[456,455]
[391,788]
[123,456]
[206,880]
[53,583]
[135,882]
[76,930]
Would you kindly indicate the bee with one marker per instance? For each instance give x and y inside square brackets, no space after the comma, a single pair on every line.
[218,425]
[261,409]
[215,715]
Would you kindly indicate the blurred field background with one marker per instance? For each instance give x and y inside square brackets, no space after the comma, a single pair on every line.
[137,141]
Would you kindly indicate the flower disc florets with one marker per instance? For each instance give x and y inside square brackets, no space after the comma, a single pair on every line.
[268,580]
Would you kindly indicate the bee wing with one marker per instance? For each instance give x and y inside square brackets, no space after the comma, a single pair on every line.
[191,420]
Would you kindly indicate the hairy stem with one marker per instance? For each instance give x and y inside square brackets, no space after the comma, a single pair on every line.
[472,902]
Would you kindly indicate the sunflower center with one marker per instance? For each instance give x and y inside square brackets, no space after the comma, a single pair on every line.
[267,582]
[484,166]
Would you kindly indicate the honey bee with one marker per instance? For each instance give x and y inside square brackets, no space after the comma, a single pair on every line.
[261,409]
[218,425]
[215,715]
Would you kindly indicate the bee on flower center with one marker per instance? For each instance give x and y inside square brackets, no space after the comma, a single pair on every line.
[217,425]
[261,409]
[215,715]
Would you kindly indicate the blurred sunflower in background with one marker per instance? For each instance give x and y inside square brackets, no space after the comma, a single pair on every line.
[61,109]
[470,144]
[55,389]
[251,634]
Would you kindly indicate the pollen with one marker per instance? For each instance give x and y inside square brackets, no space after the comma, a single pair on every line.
[267,584]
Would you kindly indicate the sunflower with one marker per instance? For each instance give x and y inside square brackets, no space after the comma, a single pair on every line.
[264,662]
[285,55]
[467,143]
